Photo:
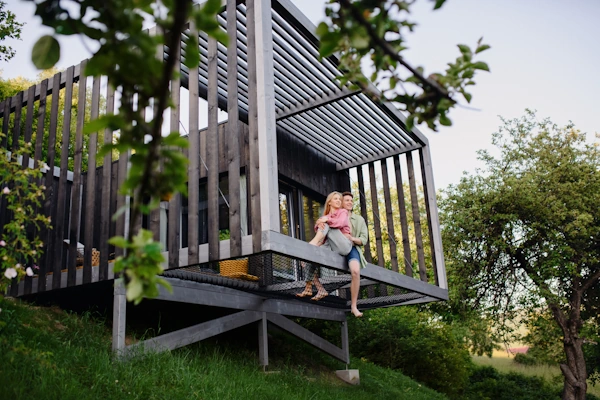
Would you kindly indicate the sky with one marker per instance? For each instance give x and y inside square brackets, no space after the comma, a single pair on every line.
[545,56]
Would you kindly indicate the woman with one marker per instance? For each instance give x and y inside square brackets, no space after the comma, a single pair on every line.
[330,232]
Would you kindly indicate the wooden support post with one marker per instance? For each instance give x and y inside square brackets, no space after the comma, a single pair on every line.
[376,226]
[345,341]
[212,153]
[174,229]
[414,200]
[403,217]
[119,317]
[105,216]
[263,341]
[39,142]
[28,132]
[194,157]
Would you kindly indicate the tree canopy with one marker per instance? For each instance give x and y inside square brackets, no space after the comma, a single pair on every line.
[523,233]
[10,28]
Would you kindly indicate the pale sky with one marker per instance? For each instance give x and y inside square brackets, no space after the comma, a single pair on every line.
[545,56]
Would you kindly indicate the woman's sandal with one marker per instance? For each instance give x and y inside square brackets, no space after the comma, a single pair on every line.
[320,295]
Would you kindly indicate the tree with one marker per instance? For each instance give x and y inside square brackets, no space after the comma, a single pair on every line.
[9,29]
[524,233]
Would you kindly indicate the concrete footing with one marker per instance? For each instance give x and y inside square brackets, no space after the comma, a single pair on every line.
[350,376]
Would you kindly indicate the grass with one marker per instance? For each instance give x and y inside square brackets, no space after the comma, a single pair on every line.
[551,374]
[47,353]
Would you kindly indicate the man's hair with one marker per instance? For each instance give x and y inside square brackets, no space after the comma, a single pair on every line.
[347,194]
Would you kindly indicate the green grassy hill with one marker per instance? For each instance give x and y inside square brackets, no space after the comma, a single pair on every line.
[46,353]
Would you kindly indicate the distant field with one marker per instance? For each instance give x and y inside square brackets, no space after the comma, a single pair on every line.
[504,363]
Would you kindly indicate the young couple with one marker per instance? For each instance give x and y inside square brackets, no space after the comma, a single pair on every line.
[345,233]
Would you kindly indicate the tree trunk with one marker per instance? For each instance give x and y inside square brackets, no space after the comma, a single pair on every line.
[574,370]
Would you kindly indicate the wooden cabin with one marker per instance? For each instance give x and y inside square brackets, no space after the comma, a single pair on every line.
[289,135]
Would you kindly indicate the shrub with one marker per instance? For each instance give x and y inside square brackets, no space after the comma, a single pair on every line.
[488,383]
[416,344]
[525,359]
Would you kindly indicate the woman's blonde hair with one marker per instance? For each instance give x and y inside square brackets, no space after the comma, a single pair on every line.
[328,202]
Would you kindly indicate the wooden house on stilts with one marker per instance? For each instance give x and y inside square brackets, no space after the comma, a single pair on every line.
[256,184]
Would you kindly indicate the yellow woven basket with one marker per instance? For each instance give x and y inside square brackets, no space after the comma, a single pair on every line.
[234,267]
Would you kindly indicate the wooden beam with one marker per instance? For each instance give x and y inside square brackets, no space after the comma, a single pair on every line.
[308,337]
[196,333]
[315,102]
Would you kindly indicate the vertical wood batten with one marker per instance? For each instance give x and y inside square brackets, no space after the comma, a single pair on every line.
[39,142]
[389,215]
[154,216]
[18,100]
[194,158]
[76,188]
[403,218]
[435,235]
[174,228]
[253,171]
[376,222]
[61,209]
[121,198]
[91,189]
[212,153]
[233,134]
[27,286]
[106,186]
[414,200]
[266,123]
[136,225]
[363,208]
[50,196]
[5,122]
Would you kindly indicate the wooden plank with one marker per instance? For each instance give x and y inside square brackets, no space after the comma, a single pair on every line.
[194,165]
[39,141]
[389,215]
[154,217]
[174,228]
[5,122]
[50,195]
[414,200]
[403,218]
[61,210]
[105,215]
[27,137]
[363,207]
[212,154]
[308,337]
[91,189]
[376,224]
[121,200]
[136,225]
[196,333]
[76,188]
[18,99]
[435,235]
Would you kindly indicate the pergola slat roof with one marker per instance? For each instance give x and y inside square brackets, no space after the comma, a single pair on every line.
[347,126]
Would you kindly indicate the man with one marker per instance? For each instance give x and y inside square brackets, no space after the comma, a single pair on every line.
[359,236]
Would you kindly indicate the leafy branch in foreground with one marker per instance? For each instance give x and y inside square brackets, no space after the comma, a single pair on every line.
[157,170]
[377,29]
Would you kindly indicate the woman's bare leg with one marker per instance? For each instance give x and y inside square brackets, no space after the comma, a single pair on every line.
[318,239]
[354,267]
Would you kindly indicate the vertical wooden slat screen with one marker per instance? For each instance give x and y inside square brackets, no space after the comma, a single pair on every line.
[120,229]
[389,215]
[363,209]
[76,188]
[416,216]
[91,189]
[5,122]
[212,154]
[105,216]
[403,218]
[175,201]
[50,196]
[194,165]
[27,286]
[233,135]
[17,124]
[39,140]
[253,171]
[376,224]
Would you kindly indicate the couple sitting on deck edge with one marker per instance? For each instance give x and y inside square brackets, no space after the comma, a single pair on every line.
[345,233]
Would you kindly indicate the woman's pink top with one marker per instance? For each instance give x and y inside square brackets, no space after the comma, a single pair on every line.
[338,219]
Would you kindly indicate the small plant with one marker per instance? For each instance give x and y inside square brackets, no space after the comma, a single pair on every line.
[22,193]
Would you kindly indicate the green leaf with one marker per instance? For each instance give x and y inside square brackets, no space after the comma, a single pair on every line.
[322,29]
[481,65]
[118,241]
[481,48]
[464,49]
[328,47]
[438,4]
[192,53]
[468,96]
[444,120]
[46,52]
[211,7]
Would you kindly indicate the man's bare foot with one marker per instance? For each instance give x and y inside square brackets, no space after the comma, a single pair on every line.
[356,313]
[307,293]
[320,294]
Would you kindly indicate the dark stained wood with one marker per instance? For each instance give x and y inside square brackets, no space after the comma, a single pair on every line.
[174,229]
[105,215]
[76,188]
[194,165]
[233,134]
[18,100]
[61,210]
[91,189]
[28,284]
[5,122]
[136,225]
[389,215]
[50,195]
[431,208]
[376,222]
[363,208]
[121,199]
[212,154]
[403,218]
[414,200]
[39,138]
